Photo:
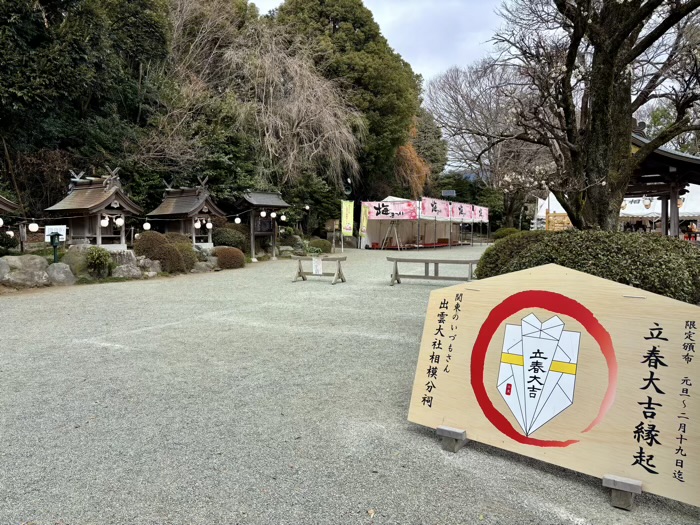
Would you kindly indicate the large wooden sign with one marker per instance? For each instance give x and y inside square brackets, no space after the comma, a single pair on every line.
[571,369]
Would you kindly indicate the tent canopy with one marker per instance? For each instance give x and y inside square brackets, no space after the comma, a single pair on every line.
[634,206]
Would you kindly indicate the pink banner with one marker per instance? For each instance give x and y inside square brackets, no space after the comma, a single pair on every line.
[481,214]
[392,211]
[462,212]
[435,208]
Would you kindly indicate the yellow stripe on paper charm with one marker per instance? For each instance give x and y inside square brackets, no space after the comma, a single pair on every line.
[512,359]
[563,368]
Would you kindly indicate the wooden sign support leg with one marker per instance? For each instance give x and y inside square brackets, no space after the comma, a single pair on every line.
[453,439]
[622,491]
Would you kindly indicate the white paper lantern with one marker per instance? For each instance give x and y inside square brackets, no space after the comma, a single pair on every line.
[119,222]
[2,222]
[146,226]
[10,233]
[104,222]
[197,225]
[307,207]
[273,215]
[209,225]
[33,227]
[283,218]
[263,213]
[237,220]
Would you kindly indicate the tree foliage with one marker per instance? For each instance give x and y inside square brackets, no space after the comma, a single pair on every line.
[575,72]
[349,48]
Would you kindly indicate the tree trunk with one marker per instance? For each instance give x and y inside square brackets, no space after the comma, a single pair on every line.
[604,166]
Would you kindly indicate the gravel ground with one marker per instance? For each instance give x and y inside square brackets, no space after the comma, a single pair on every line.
[241,397]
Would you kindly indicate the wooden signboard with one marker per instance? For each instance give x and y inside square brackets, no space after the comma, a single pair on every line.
[570,369]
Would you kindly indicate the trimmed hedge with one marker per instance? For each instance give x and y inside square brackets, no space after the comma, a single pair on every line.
[189,257]
[322,244]
[229,237]
[661,265]
[171,260]
[229,258]
[498,256]
[505,232]
[148,244]
[177,238]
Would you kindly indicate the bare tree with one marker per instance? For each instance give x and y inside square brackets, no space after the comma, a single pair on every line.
[475,107]
[225,58]
[583,68]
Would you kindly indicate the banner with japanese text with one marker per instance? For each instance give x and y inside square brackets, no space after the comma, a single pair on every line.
[434,208]
[364,219]
[347,217]
[481,214]
[392,210]
[462,212]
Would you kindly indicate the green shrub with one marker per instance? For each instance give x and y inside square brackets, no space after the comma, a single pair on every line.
[661,265]
[170,258]
[148,244]
[502,233]
[177,238]
[322,244]
[313,250]
[229,258]
[229,237]
[189,257]
[99,261]
[503,251]
[7,242]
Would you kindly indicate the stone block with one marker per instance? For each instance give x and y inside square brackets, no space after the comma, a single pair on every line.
[60,274]
[27,279]
[29,263]
[617,482]
[127,271]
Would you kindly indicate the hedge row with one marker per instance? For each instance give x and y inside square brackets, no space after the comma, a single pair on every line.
[661,265]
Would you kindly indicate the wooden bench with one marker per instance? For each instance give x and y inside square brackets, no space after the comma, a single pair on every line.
[301,274]
[396,276]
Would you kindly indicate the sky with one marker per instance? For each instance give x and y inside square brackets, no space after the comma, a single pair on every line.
[431,35]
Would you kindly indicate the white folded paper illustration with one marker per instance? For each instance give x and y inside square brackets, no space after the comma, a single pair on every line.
[538,370]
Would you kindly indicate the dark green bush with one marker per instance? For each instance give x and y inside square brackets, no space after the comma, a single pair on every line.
[148,244]
[229,258]
[189,257]
[322,244]
[170,258]
[498,256]
[229,237]
[7,242]
[657,264]
[177,238]
[505,232]
[99,261]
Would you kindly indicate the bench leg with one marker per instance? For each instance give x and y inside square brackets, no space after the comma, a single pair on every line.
[427,269]
[299,274]
[338,274]
[395,275]
[437,269]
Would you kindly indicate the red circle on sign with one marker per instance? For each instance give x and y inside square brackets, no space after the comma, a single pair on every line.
[558,304]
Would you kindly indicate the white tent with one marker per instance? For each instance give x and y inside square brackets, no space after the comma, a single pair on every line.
[634,208]
[419,231]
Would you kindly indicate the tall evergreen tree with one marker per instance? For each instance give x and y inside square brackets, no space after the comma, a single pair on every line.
[350,49]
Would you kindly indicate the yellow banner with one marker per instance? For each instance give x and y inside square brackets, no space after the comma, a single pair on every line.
[348,215]
[364,220]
